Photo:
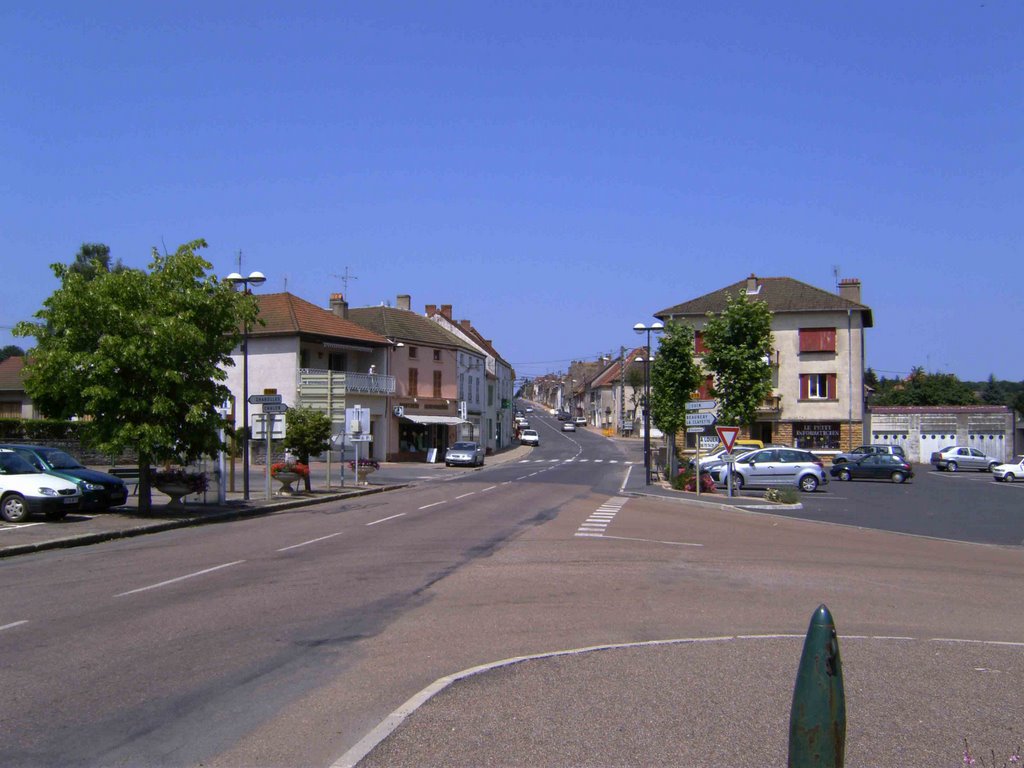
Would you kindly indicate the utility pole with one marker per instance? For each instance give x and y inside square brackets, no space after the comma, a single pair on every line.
[622,393]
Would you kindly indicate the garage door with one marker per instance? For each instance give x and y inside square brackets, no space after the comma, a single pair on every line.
[990,443]
[935,441]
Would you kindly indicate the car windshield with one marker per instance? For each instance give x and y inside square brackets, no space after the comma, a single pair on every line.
[13,464]
[530,432]
[61,460]
[464,447]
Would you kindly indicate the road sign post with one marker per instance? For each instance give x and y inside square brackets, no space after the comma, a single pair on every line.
[728,437]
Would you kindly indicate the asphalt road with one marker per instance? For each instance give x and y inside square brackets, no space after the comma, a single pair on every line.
[285,640]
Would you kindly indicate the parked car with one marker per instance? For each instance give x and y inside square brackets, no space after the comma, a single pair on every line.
[465,453]
[868,450]
[529,437]
[581,421]
[24,490]
[569,426]
[738,446]
[779,466]
[529,409]
[874,466]
[99,490]
[957,457]
[1011,471]
[717,466]
[562,415]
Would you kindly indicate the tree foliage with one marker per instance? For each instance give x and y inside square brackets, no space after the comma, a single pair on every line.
[739,347]
[141,355]
[675,375]
[921,388]
[308,434]
[11,350]
[93,259]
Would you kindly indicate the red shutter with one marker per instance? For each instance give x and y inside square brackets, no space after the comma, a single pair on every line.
[817,339]
[705,388]
[808,342]
[698,343]
[805,386]
[831,386]
[828,339]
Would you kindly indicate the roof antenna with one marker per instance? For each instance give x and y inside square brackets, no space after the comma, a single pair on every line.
[344,281]
[835,275]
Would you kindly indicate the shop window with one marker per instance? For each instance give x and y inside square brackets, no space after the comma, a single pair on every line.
[815,435]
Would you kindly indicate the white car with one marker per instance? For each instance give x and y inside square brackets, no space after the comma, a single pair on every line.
[529,437]
[1010,472]
[25,490]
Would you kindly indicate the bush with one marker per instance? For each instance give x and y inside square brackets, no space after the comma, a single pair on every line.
[782,495]
[685,481]
[196,481]
[364,464]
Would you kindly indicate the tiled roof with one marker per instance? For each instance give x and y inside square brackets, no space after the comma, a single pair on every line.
[407,326]
[10,374]
[781,294]
[285,314]
[612,375]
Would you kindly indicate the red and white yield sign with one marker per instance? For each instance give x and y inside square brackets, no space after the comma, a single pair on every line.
[728,436]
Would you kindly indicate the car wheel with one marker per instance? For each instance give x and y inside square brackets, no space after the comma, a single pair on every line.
[447,464]
[481,462]
[898,477]
[13,508]
[991,466]
[808,483]
[951,467]
[845,474]
[1008,477]
[737,481]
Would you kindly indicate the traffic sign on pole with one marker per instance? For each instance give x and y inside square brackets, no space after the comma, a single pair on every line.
[728,436]
[275,408]
[700,419]
[262,399]
[701,405]
[695,430]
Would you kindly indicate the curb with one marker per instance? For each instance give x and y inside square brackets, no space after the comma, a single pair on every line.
[224,515]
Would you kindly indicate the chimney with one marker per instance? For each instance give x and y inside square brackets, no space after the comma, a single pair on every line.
[752,285]
[404,301]
[339,306]
[430,310]
[465,324]
[446,311]
[849,289]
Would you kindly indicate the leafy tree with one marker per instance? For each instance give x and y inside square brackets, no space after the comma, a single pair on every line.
[739,347]
[141,355]
[993,392]
[93,259]
[1018,403]
[11,350]
[674,377]
[308,434]
[922,388]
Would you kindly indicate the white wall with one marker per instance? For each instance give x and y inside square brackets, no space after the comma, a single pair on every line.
[273,364]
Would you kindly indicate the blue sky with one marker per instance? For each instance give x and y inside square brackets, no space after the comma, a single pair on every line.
[556,171]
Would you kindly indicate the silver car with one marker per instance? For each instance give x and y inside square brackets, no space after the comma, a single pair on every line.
[861,451]
[465,453]
[778,466]
[957,457]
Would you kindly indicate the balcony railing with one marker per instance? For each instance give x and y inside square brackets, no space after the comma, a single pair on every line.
[339,383]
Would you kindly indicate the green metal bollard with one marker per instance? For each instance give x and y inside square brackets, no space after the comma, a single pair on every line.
[817,720]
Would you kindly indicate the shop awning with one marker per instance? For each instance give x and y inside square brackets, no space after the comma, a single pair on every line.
[449,420]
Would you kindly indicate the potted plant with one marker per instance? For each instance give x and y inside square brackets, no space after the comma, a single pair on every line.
[364,468]
[286,473]
[177,483]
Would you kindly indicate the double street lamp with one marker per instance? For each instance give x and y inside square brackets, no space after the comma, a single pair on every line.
[655,327]
[254,278]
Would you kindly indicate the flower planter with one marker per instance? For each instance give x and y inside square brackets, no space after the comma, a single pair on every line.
[177,491]
[286,479]
[363,473]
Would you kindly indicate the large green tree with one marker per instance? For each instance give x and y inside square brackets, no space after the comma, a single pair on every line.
[922,388]
[675,375]
[308,434]
[739,346]
[11,350]
[140,355]
[93,259]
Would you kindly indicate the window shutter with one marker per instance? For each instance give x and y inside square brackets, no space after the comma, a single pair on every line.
[831,386]
[817,339]
[828,339]
[698,343]
[805,386]
[705,388]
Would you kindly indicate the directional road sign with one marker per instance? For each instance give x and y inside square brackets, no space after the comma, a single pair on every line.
[261,399]
[700,419]
[701,405]
[695,430]
[275,408]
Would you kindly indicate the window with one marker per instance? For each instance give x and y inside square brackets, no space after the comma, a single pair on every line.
[817,339]
[437,383]
[414,352]
[698,343]
[817,386]
[337,361]
[437,355]
[414,382]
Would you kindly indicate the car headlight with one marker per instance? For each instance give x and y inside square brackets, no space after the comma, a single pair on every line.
[91,487]
[48,492]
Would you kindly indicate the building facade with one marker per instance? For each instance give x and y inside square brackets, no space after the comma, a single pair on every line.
[817,399]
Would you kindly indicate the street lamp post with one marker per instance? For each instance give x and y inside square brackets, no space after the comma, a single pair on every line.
[655,327]
[254,278]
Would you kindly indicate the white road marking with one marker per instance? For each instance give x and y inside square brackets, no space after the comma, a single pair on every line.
[385,519]
[181,578]
[428,506]
[311,541]
[16,526]
[654,541]
[13,624]
[489,488]
[522,477]
[471,493]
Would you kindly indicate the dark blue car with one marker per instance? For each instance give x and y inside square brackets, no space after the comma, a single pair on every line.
[99,490]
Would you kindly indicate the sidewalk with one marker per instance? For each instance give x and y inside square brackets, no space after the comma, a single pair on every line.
[84,528]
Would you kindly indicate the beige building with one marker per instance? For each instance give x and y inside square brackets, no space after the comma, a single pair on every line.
[817,399]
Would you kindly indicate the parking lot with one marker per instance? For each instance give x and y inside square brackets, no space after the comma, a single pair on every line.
[963,506]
